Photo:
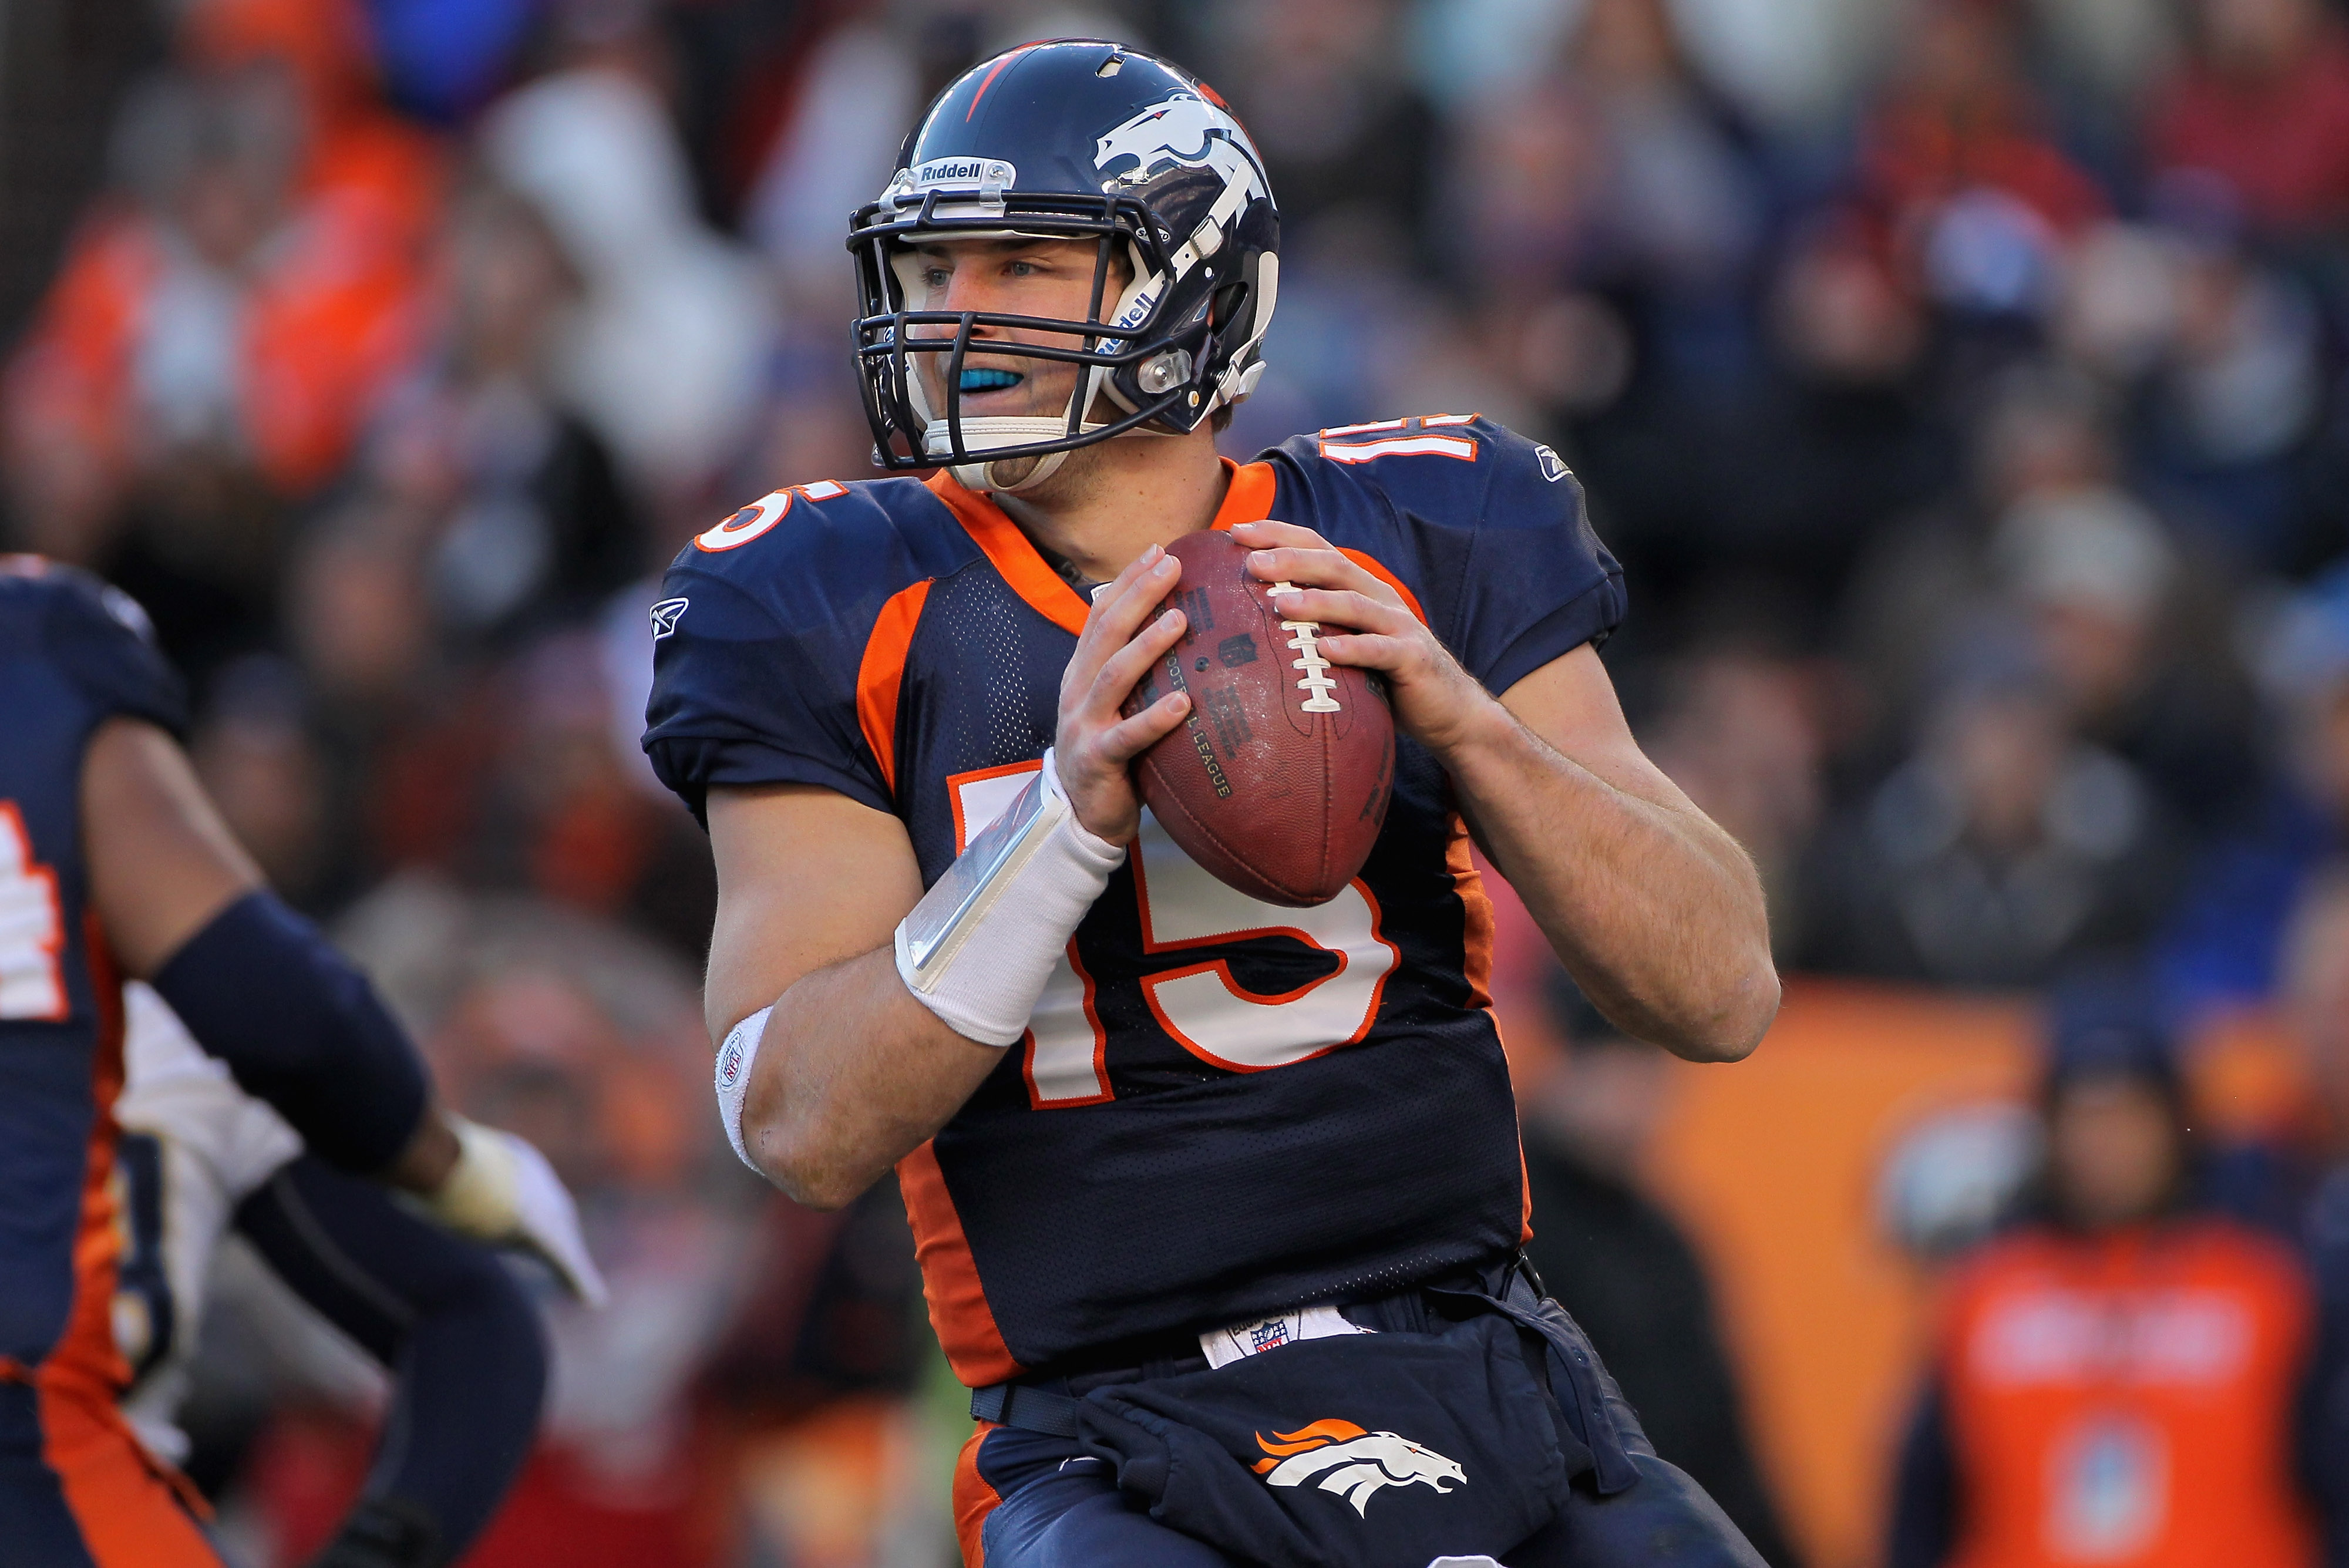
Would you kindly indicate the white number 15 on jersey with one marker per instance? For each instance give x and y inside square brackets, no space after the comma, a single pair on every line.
[1201,1005]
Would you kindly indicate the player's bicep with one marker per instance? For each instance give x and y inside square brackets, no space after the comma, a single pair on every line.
[806,878]
[161,861]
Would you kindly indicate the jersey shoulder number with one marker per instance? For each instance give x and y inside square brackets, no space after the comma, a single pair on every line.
[1422,435]
[758,519]
[1464,437]
[32,927]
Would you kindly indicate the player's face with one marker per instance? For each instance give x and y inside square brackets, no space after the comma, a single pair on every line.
[1013,278]
[2113,1152]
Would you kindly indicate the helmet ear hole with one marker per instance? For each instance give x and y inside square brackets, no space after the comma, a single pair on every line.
[1229,301]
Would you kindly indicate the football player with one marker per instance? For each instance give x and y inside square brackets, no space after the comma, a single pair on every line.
[1167,1151]
[113,863]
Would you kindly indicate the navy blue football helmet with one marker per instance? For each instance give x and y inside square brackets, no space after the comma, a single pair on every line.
[1072,138]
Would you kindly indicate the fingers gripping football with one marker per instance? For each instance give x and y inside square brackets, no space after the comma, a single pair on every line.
[1435,699]
[1096,744]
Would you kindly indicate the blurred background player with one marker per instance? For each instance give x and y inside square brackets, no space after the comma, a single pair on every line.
[196,1157]
[2118,1378]
[112,862]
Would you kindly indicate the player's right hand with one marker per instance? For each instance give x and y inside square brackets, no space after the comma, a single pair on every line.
[502,1192]
[1095,746]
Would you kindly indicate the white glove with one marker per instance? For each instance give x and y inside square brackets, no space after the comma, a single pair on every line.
[501,1191]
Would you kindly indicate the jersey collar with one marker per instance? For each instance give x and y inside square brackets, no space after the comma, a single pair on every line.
[1248,498]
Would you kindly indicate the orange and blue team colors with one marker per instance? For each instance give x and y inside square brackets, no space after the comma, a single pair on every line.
[75,1486]
[1221,1108]
[2126,1400]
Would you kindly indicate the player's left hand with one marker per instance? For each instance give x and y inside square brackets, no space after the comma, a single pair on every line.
[1435,701]
[504,1192]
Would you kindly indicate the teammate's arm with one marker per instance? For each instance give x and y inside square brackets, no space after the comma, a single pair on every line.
[1655,910]
[165,872]
[851,1072]
[185,909]
[462,1343]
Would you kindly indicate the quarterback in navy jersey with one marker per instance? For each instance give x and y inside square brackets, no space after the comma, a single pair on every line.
[1150,1130]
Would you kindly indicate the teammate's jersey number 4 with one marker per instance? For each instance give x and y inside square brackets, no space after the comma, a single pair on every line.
[32,927]
[1201,1005]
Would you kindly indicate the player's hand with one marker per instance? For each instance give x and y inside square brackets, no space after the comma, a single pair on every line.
[1435,701]
[1095,745]
[504,1192]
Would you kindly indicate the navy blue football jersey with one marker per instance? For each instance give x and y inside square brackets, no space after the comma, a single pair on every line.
[1222,1108]
[73,653]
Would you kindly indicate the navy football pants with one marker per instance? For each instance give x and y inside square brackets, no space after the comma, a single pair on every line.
[1061,1509]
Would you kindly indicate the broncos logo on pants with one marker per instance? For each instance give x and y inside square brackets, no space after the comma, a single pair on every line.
[1355,1464]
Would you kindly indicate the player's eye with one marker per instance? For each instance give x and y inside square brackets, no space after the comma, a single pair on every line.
[935,277]
[1024,269]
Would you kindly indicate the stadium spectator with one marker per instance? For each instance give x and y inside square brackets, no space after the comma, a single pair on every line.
[2004,848]
[2316,1002]
[228,323]
[1744,731]
[2136,662]
[664,351]
[2115,1379]
[2221,949]
[477,466]
[2260,109]
[1957,169]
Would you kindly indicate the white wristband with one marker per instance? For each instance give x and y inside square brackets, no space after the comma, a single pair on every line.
[979,948]
[735,1059]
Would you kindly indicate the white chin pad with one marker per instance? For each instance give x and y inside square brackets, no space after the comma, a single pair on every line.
[988,432]
[979,947]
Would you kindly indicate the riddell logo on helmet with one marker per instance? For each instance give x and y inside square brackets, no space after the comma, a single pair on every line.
[961,175]
[1342,1457]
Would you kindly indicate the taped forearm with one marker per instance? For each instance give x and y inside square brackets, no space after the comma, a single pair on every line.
[979,947]
[260,988]
[976,951]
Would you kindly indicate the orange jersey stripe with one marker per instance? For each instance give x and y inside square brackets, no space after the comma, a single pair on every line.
[129,1505]
[959,1313]
[974,1500]
[1013,555]
[883,671]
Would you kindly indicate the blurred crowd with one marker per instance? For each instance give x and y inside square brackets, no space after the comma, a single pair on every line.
[1964,384]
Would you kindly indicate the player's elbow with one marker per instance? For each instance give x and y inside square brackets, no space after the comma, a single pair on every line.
[1740,1014]
[811,1176]
[822,1191]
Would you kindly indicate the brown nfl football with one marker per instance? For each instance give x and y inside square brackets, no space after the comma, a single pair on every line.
[1278,780]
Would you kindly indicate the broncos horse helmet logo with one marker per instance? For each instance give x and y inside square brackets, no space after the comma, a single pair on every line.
[1342,1457]
[1185,128]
